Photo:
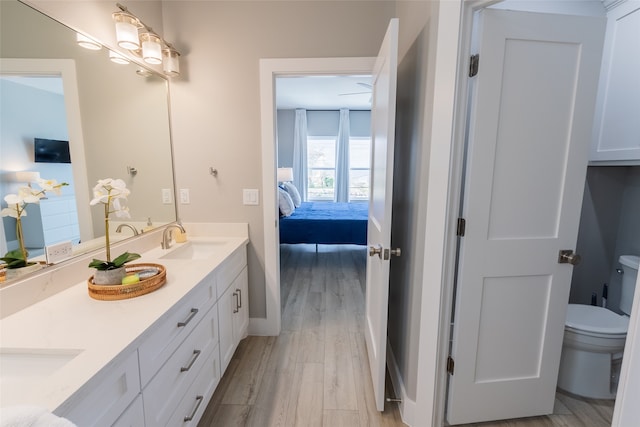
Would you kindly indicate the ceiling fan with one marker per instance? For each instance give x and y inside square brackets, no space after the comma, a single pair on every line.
[365,85]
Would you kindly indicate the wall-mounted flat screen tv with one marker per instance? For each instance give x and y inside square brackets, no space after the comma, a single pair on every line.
[51,151]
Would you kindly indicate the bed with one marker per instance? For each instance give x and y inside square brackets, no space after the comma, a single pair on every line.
[326,223]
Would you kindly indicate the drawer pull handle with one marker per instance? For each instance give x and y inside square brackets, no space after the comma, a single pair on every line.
[196,353]
[193,312]
[235,310]
[240,293]
[193,414]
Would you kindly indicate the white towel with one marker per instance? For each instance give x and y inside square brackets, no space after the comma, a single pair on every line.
[31,416]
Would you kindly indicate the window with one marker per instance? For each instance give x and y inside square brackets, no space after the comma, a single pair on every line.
[359,168]
[321,168]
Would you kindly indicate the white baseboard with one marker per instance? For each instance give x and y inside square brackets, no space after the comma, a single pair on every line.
[407,406]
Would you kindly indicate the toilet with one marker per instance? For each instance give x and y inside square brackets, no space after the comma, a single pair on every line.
[594,341]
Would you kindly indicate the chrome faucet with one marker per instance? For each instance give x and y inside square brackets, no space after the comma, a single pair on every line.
[166,235]
[131,227]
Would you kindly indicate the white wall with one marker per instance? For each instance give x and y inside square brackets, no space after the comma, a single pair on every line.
[215,103]
[608,228]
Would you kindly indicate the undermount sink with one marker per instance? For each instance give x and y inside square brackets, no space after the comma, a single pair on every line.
[195,250]
[30,365]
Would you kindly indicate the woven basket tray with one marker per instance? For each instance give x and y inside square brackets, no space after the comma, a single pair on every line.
[118,292]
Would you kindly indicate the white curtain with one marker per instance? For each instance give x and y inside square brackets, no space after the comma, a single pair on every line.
[300,153]
[342,158]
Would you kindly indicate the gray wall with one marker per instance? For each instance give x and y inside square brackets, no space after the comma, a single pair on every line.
[319,123]
[609,227]
[215,104]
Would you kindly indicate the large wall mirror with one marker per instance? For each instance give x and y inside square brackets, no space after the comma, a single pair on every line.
[111,119]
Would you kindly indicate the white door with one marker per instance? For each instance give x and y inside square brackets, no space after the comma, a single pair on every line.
[529,132]
[383,115]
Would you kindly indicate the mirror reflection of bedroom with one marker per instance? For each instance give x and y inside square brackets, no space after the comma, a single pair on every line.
[324,150]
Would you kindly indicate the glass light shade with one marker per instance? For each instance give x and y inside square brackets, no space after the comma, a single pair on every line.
[87,43]
[151,48]
[285,174]
[171,62]
[117,58]
[127,30]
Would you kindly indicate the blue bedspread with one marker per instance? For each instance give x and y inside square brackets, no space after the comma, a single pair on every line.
[326,223]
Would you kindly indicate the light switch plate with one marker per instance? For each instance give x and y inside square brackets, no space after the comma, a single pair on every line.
[184,196]
[250,196]
[166,196]
[58,252]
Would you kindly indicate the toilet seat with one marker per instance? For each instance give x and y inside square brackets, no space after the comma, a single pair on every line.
[595,321]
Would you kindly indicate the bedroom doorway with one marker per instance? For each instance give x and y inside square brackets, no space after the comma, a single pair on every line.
[322,268]
[270,69]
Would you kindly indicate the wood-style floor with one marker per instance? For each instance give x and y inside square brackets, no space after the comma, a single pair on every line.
[316,373]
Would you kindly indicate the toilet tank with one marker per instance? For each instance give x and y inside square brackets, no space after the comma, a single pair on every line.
[630,275]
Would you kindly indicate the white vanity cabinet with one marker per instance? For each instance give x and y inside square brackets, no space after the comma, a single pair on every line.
[133,416]
[104,398]
[616,134]
[166,390]
[233,306]
[169,375]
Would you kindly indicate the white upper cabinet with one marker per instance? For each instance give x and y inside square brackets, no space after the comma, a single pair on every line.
[616,135]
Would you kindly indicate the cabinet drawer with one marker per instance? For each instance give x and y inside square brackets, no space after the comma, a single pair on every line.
[133,416]
[196,399]
[230,268]
[173,329]
[165,390]
[103,403]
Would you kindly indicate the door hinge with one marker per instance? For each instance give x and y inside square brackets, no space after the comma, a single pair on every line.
[450,365]
[473,64]
[461,227]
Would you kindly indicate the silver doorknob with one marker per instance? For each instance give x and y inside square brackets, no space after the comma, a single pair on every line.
[396,252]
[566,256]
[375,251]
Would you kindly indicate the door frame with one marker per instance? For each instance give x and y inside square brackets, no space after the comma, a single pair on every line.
[269,70]
[624,409]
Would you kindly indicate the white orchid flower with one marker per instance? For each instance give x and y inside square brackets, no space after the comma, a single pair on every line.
[111,193]
[107,190]
[29,195]
[15,206]
[50,185]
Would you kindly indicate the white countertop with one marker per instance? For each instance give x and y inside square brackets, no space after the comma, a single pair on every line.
[99,330]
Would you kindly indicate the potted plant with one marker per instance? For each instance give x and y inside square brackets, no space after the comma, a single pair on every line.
[111,193]
[17,259]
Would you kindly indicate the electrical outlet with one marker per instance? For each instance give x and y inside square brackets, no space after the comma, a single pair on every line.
[184,196]
[166,196]
[58,252]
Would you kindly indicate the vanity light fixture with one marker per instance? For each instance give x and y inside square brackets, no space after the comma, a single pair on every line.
[171,61]
[126,29]
[87,43]
[151,48]
[140,39]
[117,58]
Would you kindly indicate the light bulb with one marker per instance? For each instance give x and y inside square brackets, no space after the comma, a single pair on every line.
[127,30]
[151,48]
[87,43]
